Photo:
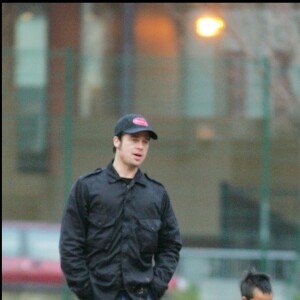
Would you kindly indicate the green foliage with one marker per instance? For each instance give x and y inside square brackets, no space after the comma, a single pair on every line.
[297,297]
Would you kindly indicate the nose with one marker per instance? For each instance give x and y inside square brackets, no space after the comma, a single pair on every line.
[140,144]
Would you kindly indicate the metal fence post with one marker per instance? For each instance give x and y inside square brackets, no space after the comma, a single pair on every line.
[264,233]
[225,193]
[126,104]
[68,134]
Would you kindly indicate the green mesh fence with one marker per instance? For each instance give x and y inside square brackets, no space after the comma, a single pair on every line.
[228,147]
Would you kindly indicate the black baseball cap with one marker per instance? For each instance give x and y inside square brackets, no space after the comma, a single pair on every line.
[133,123]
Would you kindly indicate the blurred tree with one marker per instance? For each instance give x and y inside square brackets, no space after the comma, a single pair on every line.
[280,41]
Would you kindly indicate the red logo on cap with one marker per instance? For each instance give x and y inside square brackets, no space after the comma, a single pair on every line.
[140,121]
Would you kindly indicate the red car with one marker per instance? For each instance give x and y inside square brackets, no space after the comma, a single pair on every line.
[30,255]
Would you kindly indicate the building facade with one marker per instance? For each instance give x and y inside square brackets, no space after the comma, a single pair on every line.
[226,110]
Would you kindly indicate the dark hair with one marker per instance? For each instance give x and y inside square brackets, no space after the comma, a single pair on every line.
[253,280]
[120,138]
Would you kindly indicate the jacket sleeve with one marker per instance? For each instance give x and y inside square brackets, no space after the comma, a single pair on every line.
[169,246]
[72,242]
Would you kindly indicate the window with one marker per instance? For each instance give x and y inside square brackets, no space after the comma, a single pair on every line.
[95,64]
[31,89]
[43,244]
[235,83]
[11,242]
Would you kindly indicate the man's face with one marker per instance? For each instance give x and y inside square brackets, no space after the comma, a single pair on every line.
[133,148]
[259,295]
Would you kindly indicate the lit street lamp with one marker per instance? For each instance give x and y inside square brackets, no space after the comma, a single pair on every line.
[209,26]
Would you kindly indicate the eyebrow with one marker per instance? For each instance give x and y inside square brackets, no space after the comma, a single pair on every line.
[137,134]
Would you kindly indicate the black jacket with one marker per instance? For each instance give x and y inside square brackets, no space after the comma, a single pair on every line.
[116,235]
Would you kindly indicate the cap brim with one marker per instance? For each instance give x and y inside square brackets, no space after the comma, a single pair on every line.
[153,135]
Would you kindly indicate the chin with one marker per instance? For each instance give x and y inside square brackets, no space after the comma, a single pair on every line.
[136,164]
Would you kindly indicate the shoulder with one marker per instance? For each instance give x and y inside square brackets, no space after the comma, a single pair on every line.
[85,180]
[158,187]
[153,181]
[90,174]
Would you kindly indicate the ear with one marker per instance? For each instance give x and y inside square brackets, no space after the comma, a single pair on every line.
[116,141]
[244,298]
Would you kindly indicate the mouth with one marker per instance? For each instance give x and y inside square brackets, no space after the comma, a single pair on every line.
[137,156]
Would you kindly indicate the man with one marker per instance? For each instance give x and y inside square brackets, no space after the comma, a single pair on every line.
[256,286]
[119,234]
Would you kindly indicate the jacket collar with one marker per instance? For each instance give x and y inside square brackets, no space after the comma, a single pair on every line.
[113,175]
